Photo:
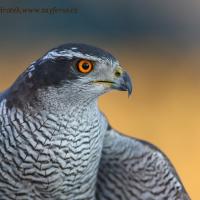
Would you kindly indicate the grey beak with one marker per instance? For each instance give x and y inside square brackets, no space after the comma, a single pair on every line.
[124,83]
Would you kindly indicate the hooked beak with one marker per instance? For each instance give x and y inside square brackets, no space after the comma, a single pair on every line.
[123,83]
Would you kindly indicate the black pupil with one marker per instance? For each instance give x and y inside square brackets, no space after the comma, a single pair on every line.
[85,66]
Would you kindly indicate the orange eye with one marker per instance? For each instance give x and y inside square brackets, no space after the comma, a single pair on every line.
[85,66]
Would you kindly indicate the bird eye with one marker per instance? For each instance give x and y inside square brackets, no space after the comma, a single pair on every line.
[85,66]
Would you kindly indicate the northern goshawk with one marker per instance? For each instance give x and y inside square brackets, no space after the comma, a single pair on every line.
[56,144]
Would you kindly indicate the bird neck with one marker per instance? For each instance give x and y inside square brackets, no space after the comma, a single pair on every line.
[63,106]
[50,100]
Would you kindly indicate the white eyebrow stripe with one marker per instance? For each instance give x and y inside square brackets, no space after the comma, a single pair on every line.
[70,54]
[31,68]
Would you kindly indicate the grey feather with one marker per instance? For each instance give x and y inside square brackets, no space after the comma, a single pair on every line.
[132,169]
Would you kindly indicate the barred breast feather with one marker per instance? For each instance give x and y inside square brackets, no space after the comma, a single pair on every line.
[49,156]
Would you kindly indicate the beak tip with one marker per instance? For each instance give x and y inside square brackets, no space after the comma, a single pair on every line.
[129,94]
[128,84]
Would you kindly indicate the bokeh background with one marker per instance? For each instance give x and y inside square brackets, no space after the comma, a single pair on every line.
[158,42]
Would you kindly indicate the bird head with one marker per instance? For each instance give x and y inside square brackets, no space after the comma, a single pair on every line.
[75,72]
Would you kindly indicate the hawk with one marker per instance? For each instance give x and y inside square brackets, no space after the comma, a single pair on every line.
[56,144]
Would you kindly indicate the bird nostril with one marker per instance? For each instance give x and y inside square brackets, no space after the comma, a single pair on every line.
[118,73]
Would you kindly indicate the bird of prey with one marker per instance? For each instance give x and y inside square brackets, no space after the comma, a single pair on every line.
[56,144]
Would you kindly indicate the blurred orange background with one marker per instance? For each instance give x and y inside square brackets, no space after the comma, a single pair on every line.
[158,43]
